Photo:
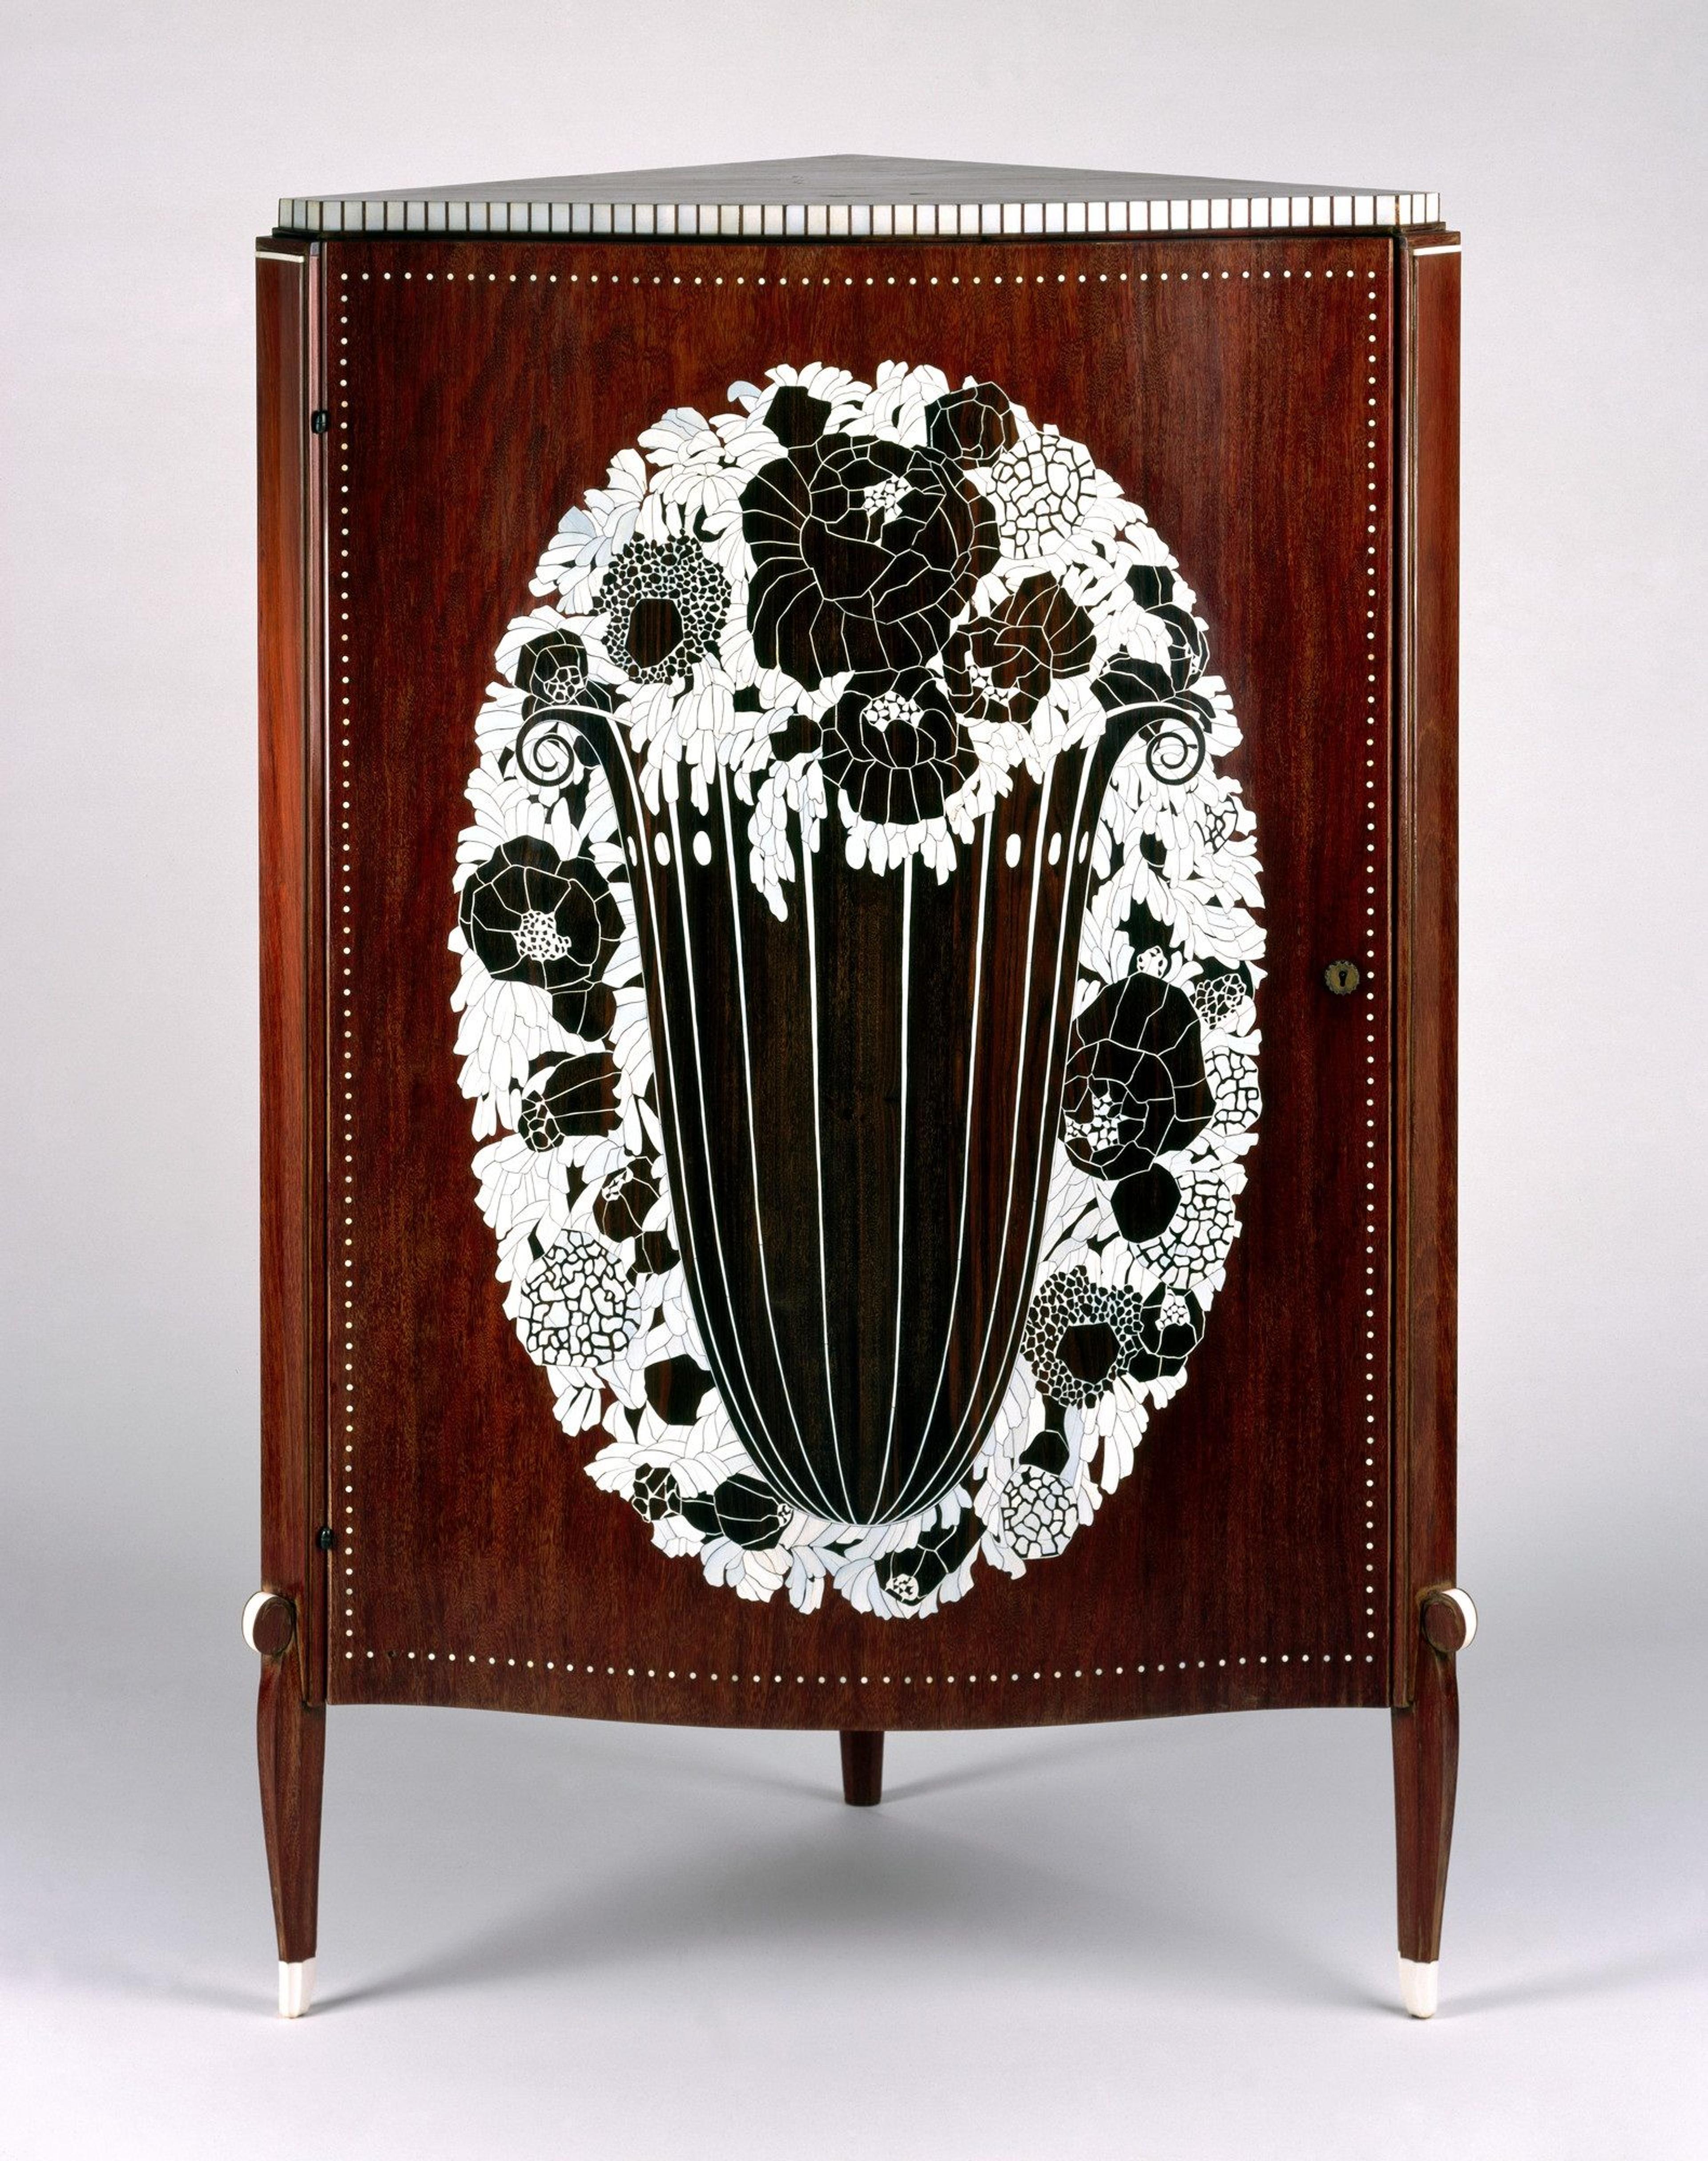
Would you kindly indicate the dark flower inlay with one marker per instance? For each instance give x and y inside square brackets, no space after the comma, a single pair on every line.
[627,1197]
[533,918]
[911,1574]
[742,1509]
[795,416]
[675,1389]
[551,669]
[1079,1335]
[1002,665]
[895,746]
[579,1096]
[864,553]
[974,425]
[1136,1084]
[655,1493]
[666,603]
[1151,583]
[1144,1204]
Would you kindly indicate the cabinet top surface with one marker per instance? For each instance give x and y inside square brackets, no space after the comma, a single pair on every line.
[859,197]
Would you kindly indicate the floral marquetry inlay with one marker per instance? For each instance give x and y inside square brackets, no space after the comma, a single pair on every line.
[843,629]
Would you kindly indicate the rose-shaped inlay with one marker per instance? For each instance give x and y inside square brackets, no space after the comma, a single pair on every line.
[1135,1085]
[533,918]
[1171,1326]
[865,551]
[1001,663]
[912,1573]
[895,746]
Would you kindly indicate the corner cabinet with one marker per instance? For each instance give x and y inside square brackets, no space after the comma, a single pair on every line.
[857,770]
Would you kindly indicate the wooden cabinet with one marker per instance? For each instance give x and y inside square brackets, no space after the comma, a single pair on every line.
[857,800]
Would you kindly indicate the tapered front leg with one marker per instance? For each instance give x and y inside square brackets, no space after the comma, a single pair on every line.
[1425,1773]
[291,1742]
[862,1770]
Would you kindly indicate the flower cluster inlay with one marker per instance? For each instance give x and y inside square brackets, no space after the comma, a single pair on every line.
[862,611]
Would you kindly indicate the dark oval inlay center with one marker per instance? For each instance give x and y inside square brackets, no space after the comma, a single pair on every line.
[654,630]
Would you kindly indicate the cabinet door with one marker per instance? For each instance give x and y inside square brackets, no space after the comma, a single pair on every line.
[643,1328]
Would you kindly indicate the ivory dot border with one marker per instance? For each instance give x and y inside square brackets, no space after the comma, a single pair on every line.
[1370,499]
[569,1668]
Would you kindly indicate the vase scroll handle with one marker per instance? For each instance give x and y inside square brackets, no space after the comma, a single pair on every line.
[550,742]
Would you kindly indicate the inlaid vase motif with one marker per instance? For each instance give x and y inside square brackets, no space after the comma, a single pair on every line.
[857,981]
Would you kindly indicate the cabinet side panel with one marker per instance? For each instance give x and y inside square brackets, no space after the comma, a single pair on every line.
[1428,900]
[292,1168]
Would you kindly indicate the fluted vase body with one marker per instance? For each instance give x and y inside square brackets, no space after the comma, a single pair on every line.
[859,1103]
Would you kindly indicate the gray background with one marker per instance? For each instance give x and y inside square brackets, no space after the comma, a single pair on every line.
[553,1939]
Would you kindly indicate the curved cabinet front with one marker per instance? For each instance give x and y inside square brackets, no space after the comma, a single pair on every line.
[856,1208]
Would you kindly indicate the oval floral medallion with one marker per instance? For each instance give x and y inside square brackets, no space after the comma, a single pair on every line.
[843,631]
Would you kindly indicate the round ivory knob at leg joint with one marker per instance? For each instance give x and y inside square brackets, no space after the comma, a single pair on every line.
[1449,1617]
[269,1624]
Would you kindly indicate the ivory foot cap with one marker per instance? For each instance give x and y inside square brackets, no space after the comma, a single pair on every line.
[296,1987]
[1418,1987]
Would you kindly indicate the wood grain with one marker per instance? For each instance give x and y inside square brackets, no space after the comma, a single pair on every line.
[293,1289]
[477,1562]
[1426,945]
[1425,1777]
[862,1770]
[291,1744]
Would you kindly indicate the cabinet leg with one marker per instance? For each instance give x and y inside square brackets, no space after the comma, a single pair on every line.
[862,1770]
[291,1740]
[1425,1771]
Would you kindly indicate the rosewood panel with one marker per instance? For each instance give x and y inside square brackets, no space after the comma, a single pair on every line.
[1425,1735]
[1427,277]
[1243,392]
[291,1747]
[293,949]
